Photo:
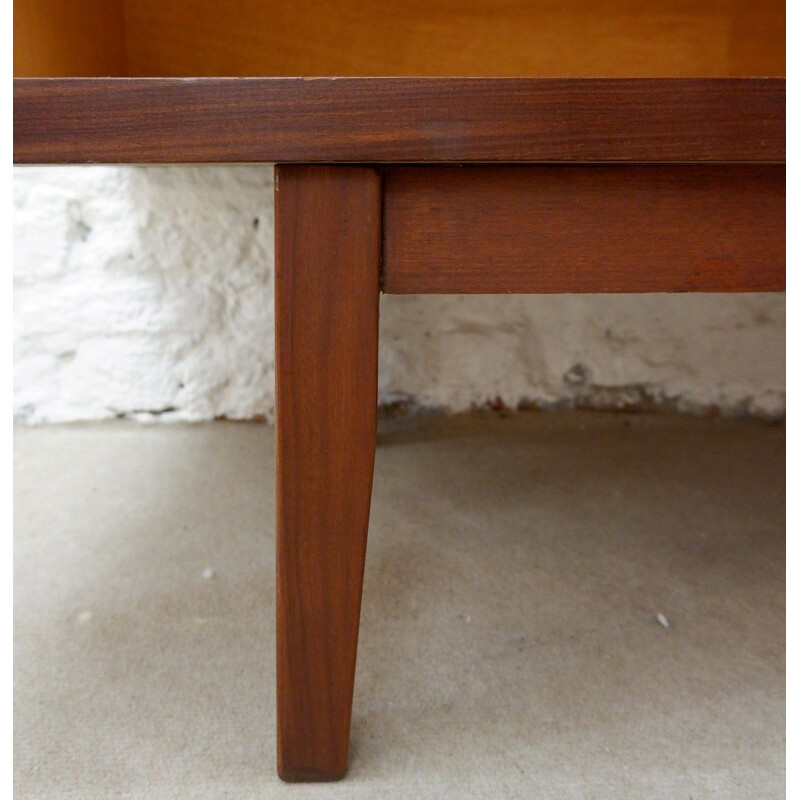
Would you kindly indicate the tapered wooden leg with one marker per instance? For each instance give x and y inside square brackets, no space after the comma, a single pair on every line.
[327,263]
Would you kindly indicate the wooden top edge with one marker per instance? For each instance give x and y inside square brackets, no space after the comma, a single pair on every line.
[388,80]
[399,120]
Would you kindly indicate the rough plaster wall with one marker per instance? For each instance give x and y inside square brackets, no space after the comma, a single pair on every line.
[148,292]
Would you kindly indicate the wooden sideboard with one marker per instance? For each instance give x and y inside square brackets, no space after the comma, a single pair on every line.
[665,173]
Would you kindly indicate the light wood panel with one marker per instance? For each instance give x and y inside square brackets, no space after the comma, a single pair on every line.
[584,229]
[555,38]
[550,38]
[68,37]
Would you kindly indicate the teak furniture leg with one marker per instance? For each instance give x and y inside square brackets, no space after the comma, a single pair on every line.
[327,264]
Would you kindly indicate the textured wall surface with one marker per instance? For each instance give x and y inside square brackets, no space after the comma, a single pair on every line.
[148,292]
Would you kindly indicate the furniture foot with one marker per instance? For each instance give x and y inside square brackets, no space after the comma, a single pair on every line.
[327,264]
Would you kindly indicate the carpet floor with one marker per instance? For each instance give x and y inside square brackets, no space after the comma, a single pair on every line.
[565,605]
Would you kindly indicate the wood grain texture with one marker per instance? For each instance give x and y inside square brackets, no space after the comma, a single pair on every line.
[532,38]
[64,37]
[512,38]
[327,239]
[399,120]
[584,229]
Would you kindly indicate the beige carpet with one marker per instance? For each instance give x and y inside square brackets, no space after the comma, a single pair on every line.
[510,645]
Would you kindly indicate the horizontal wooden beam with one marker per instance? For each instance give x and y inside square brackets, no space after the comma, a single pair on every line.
[584,229]
[398,120]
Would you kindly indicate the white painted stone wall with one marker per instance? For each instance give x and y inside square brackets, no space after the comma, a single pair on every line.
[147,292]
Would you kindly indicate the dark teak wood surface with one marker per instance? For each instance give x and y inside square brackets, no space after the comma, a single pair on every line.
[327,259]
[399,120]
[584,229]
